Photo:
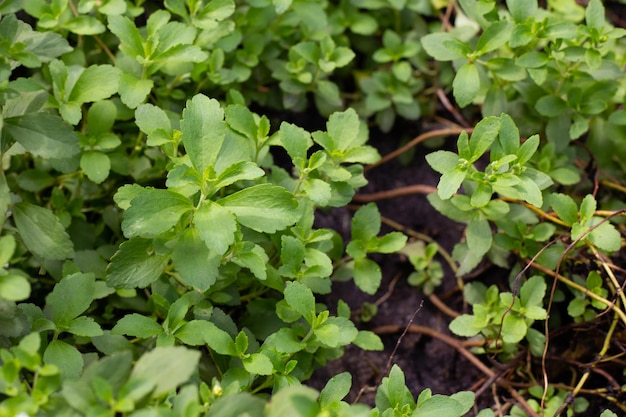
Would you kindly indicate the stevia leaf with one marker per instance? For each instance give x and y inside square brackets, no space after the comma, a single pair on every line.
[606,237]
[483,136]
[449,183]
[595,15]
[154,211]
[84,326]
[71,297]
[528,149]
[496,35]
[194,261]
[66,357]
[254,258]
[42,232]
[296,140]
[368,340]
[258,364]
[263,207]
[508,137]
[343,128]
[96,165]
[444,47]
[43,135]
[366,223]
[135,265]
[336,389]
[137,325]
[84,25]
[166,368]
[514,328]
[533,291]
[203,131]
[127,32]
[442,161]
[587,208]
[133,90]
[466,84]
[479,236]
[301,299]
[95,83]
[439,405]
[216,226]
[14,287]
[522,9]
[241,120]
[367,275]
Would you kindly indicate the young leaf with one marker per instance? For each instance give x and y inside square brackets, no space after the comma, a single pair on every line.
[444,47]
[154,211]
[496,35]
[166,368]
[71,297]
[466,84]
[95,83]
[42,232]
[300,298]
[483,136]
[137,325]
[522,9]
[96,165]
[132,44]
[367,275]
[595,15]
[135,265]
[258,364]
[366,222]
[479,236]
[442,161]
[533,291]
[450,182]
[264,207]
[336,389]
[133,90]
[203,131]
[368,340]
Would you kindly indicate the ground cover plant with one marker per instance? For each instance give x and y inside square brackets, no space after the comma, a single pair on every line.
[162,244]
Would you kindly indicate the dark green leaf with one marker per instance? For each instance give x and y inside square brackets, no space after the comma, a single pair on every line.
[43,135]
[135,265]
[479,236]
[137,325]
[194,261]
[154,211]
[42,231]
[71,297]
[66,357]
[96,165]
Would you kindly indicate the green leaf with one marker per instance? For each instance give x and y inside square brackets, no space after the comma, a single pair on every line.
[522,9]
[296,140]
[95,83]
[367,275]
[194,261]
[466,84]
[14,287]
[495,36]
[368,340]
[134,91]
[551,106]
[444,47]
[336,389]
[154,211]
[533,291]
[595,15]
[84,326]
[258,364]
[587,208]
[565,208]
[366,223]
[264,207]
[42,232]
[254,258]
[294,401]
[442,161]
[483,136]
[528,149]
[301,299]
[71,297]
[137,325]
[166,368]
[479,236]
[390,243]
[450,182]
[237,405]
[216,226]
[514,328]
[154,122]
[200,332]
[43,135]
[96,165]
[135,265]
[203,131]
[66,357]
[127,32]
[606,237]
[344,129]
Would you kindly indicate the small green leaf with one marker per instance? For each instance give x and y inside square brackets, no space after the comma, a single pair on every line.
[368,340]
[296,140]
[166,368]
[464,325]
[258,364]
[66,357]
[439,405]
[390,243]
[84,25]
[485,133]
[127,32]
[194,261]
[301,299]
[551,106]
[42,231]
[71,297]
[565,208]
[466,84]
[495,36]
[137,325]
[135,265]
[367,275]
[514,328]
[336,389]
[533,291]
[366,223]
[606,237]
[134,91]
[450,182]
[595,15]
[444,47]
[522,9]
[96,165]
[84,326]
[479,236]
[14,287]
[154,211]
[263,207]
[215,225]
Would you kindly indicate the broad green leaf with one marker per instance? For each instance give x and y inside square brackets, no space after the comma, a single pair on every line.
[84,326]
[528,149]
[442,161]
[154,211]
[203,131]
[238,405]
[296,140]
[241,120]
[42,232]
[606,237]
[444,47]
[450,182]
[66,357]
[254,258]
[100,119]
[533,291]
[239,171]
[595,15]
[551,106]
[483,136]
[293,401]
[166,368]
[522,9]
[96,165]
[464,325]
[264,207]
[200,332]
[71,297]
[137,325]
[216,226]
[14,287]
[439,405]
[95,83]
[366,223]
[479,236]
[496,35]
[153,121]
[38,46]
[194,261]
[336,389]
[43,135]
[127,32]
[343,128]
[258,364]
[301,299]
[466,84]
[368,340]
[367,275]
[134,91]
[514,328]
[135,265]
[84,25]
[390,243]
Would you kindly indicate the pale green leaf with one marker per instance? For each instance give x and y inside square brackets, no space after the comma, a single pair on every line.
[263,207]
[466,84]
[137,325]
[216,226]
[514,328]
[134,91]
[95,83]
[166,368]
[366,222]
[301,299]
[42,232]
[258,364]
[66,357]
[194,261]
[14,287]
[442,161]
[96,165]
[479,236]
[367,275]
[368,340]
[444,47]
